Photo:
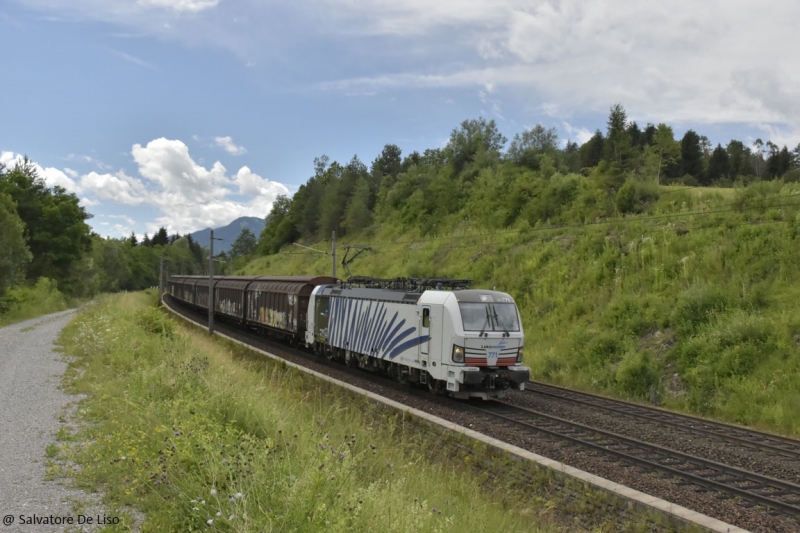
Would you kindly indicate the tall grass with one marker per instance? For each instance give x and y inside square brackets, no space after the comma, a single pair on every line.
[202,437]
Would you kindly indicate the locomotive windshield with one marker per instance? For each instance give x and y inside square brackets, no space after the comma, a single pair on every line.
[489,316]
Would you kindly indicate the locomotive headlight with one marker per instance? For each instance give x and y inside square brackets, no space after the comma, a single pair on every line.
[519,355]
[458,354]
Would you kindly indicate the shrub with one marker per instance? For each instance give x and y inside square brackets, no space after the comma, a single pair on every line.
[153,321]
[24,302]
[635,196]
[636,373]
[604,348]
[793,176]
[697,305]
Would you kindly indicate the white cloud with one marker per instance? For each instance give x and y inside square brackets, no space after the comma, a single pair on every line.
[180,6]
[57,178]
[253,184]
[126,218]
[577,134]
[229,146]
[119,187]
[133,59]
[680,61]
[188,195]
[53,177]
[192,197]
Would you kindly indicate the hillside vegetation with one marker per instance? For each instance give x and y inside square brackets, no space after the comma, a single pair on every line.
[627,277]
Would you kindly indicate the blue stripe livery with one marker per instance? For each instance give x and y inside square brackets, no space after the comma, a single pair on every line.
[365,327]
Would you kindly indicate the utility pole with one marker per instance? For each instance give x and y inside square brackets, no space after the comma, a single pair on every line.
[160,278]
[211,283]
[332,253]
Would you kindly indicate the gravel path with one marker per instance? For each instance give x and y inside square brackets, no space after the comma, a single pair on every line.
[30,405]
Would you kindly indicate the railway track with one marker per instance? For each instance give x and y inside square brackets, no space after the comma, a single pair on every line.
[769,507]
[775,444]
[761,490]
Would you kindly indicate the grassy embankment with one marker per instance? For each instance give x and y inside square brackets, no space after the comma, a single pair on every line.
[26,302]
[700,297]
[204,435]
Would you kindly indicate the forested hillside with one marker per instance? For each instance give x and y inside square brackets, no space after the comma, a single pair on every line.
[638,260]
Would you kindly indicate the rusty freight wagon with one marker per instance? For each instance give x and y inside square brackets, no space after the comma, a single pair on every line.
[280,303]
[275,304]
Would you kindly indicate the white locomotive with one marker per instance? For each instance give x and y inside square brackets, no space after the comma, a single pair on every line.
[464,342]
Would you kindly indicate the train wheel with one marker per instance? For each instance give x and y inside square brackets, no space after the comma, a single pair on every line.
[402,375]
[434,385]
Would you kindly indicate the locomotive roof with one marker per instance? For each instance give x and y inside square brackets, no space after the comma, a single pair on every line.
[363,293]
[483,296]
[464,295]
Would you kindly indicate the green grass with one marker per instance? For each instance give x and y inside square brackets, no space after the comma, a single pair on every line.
[189,431]
[698,297]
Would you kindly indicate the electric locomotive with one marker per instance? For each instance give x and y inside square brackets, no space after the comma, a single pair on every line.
[435,332]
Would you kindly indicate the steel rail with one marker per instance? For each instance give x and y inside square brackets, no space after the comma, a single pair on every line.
[785,446]
[724,478]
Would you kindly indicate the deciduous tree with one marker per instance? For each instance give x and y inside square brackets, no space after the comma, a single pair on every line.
[667,149]
[14,253]
[56,230]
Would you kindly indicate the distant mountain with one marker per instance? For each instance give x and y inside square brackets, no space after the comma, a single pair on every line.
[229,233]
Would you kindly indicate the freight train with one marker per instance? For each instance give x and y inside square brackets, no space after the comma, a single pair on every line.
[438,333]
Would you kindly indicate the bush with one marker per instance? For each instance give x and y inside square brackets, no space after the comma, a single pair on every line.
[604,348]
[153,321]
[697,306]
[24,302]
[635,196]
[636,373]
[793,176]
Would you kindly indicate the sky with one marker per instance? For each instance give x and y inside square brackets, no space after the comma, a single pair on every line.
[190,113]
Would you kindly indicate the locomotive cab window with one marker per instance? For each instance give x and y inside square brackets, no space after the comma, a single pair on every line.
[489,316]
[426,318]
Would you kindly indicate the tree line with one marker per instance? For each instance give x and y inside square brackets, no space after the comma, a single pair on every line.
[536,179]
[44,235]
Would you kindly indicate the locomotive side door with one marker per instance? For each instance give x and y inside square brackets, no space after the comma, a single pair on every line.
[430,329]
[425,332]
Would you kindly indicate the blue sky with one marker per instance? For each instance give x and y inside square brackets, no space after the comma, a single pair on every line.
[190,113]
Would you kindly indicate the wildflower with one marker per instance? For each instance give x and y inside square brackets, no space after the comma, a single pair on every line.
[231,499]
[209,521]
[434,509]
[239,495]
[219,513]
[213,492]
[389,464]
[230,518]
[123,458]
